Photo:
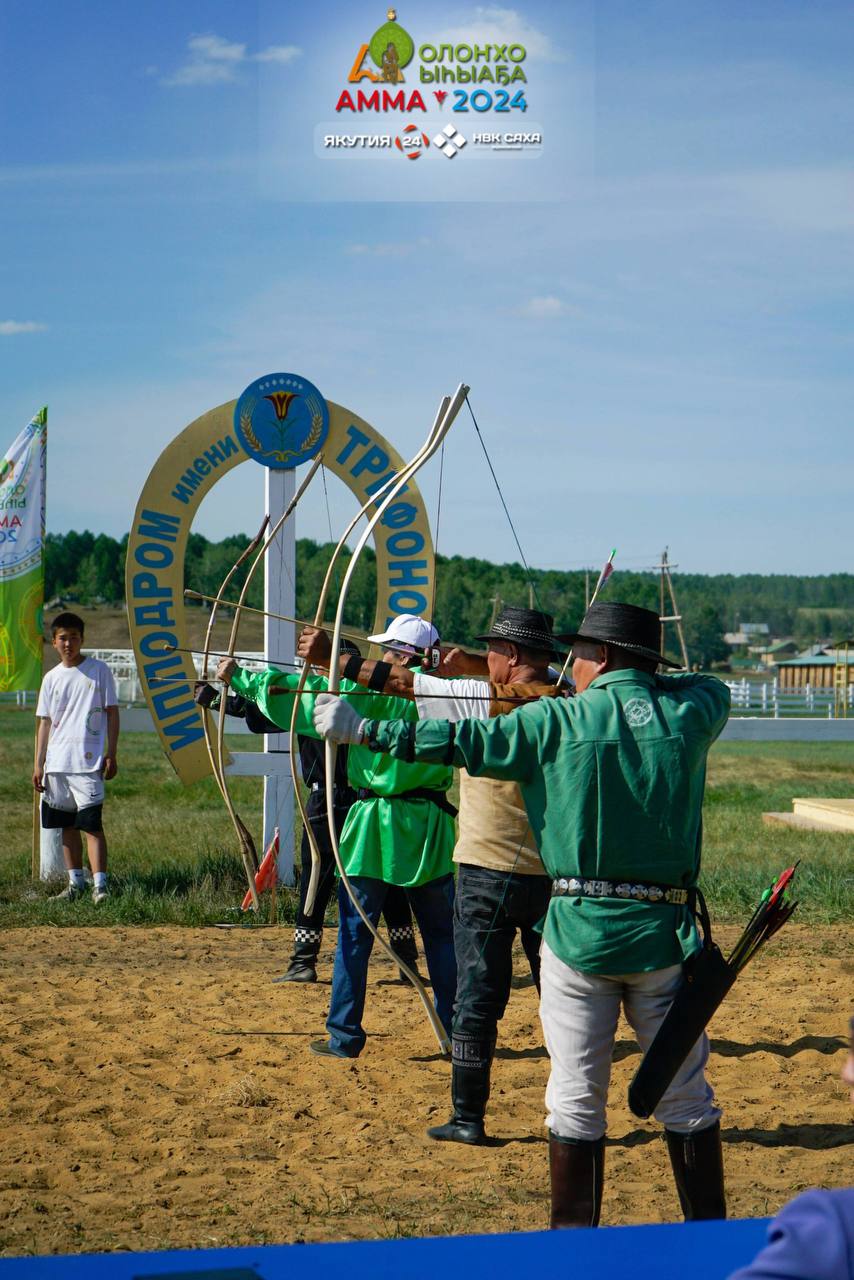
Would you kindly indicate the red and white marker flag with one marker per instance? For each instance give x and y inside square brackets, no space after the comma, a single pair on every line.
[266,875]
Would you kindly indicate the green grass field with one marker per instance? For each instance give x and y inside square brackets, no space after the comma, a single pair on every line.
[173,855]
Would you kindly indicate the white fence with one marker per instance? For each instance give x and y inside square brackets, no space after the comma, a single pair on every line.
[765,697]
[122,663]
[749,697]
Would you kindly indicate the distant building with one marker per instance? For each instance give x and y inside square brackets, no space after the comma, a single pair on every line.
[817,670]
[814,650]
[774,653]
[748,633]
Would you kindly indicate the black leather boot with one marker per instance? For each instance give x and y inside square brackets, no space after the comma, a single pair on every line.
[303,964]
[470,1068]
[577,1169]
[698,1168]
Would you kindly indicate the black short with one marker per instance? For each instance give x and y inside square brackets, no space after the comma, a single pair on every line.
[89,819]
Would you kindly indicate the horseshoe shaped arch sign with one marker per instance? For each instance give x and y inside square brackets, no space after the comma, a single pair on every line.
[282,429]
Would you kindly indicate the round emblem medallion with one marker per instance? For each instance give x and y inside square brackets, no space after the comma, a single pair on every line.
[281,420]
[638,712]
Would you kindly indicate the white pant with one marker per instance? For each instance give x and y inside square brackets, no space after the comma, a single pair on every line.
[579,1013]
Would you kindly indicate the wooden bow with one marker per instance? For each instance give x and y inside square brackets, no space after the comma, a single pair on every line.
[247,845]
[441,426]
[314,877]
[216,762]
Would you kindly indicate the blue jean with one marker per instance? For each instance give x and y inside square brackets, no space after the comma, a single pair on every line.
[433,907]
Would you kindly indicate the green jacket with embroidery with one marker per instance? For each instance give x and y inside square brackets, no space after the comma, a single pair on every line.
[613,783]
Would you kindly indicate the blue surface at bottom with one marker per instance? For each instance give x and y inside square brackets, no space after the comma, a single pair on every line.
[703,1250]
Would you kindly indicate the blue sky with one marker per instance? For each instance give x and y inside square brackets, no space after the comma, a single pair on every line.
[657,334]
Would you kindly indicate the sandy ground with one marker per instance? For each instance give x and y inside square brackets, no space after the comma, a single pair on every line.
[158,1092]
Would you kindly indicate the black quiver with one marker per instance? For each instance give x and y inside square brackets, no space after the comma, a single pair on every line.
[706,980]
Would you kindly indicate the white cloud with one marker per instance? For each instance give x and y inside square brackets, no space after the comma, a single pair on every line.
[283,53]
[503,26]
[388,248]
[544,308]
[10,327]
[211,59]
[216,49]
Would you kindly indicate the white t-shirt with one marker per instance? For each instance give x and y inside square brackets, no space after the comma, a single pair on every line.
[440,699]
[75,699]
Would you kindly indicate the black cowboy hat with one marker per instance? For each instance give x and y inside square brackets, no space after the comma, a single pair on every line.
[626,626]
[529,628]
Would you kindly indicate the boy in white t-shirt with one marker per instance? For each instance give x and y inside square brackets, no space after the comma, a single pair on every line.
[76,747]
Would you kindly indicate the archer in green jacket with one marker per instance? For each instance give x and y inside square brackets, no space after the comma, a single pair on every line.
[400,832]
[403,842]
[612,781]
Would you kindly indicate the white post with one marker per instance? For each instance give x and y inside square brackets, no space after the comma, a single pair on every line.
[51,861]
[279,646]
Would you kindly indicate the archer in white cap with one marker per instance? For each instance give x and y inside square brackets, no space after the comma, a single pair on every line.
[400,831]
[408,634]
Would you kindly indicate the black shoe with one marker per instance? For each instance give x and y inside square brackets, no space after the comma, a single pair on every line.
[303,963]
[404,979]
[577,1170]
[298,971]
[325,1049]
[470,1068]
[698,1168]
[470,1132]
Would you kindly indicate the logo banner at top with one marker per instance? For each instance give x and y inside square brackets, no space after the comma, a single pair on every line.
[22,513]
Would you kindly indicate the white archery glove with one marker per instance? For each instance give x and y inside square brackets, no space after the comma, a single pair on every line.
[336,720]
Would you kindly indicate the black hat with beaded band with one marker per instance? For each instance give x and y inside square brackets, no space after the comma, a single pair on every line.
[529,628]
[626,626]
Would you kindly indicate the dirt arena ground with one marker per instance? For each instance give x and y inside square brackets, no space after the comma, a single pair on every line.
[158,1092]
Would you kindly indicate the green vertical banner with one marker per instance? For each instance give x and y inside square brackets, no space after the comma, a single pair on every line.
[22,524]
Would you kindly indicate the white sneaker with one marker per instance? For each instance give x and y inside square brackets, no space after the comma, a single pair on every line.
[69,894]
[100,895]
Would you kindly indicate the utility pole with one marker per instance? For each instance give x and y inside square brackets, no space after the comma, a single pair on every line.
[666,585]
[497,605]
[586,590]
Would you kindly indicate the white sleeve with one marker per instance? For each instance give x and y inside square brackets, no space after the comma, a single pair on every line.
[43,704]
[438,699]
[108,685]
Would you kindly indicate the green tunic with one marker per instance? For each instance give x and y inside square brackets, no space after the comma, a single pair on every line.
[613,783]
[403,842]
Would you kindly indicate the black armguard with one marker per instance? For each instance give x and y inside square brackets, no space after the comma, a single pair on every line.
[352,667]
[379,676]
[448,757]
[204,694]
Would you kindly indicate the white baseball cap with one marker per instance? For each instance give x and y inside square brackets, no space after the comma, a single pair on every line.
[408,633]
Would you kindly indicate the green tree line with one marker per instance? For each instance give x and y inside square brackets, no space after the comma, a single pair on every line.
[89,568]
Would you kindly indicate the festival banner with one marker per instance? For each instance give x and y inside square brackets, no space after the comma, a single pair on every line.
[22,517]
